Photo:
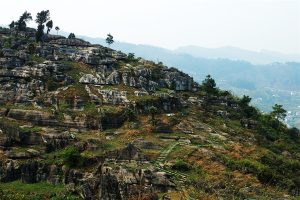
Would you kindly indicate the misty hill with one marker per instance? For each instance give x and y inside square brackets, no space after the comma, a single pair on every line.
[233,53]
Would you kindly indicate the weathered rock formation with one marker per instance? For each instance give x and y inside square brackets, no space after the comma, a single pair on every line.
[51,91]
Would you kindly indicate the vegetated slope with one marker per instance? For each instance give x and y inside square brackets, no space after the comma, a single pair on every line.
[267,84]
[93,123]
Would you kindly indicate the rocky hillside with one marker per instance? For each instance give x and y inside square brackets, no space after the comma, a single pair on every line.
[82,121]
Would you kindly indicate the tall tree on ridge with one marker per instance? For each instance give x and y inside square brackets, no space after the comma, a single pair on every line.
[71,36]
[278,112]
[41,18]
[12,25]
[57,29]
[49,25]
[21,23]
[110,39]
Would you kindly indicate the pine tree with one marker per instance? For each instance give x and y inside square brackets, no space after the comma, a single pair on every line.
[110,39]
[71,36]
[278,112]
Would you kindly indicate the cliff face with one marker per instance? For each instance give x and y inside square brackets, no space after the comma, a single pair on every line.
[105,125]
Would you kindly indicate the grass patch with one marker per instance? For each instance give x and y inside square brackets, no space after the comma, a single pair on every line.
[77,90]
[34,59]
[245,165]
[146,98]
[34,129]
[76,70]
[37,191]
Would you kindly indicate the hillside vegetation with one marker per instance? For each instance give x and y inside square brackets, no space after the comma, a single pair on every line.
[83,121]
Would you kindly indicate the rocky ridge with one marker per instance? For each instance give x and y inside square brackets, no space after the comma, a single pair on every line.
[104,125]
[43,85]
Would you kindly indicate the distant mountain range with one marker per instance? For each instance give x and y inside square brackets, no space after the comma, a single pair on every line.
[233,53]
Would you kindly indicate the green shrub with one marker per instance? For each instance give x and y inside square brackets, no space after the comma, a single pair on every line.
[130,115]
[30,129]
[90,107]
[52,85]
[131,57]
[294,133]
[280,171]
[91,111]
[181,165]
[245,165]
[12,196]
[156,72]
[72,158]
[7,43]
[173,120]
[37,59]
[266,176]
[63,106]
[32,48]
[272,169]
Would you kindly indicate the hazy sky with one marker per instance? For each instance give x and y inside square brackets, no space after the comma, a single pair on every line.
[249,24]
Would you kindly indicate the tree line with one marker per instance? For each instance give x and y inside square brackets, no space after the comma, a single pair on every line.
[42,20]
